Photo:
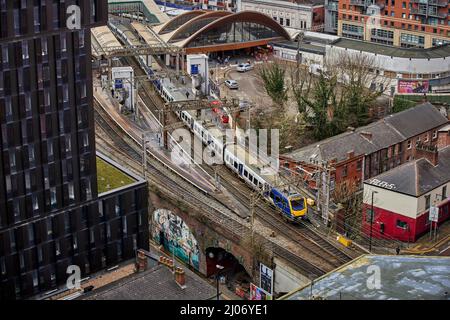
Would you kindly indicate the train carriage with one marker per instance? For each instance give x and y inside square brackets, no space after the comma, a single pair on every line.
[256,174]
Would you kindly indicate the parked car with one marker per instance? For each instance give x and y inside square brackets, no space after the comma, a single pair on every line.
[243,67]
[232,84]
[244,104]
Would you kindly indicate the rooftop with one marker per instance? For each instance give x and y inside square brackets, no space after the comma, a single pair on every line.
[417,177]
[157,283]
[401,278]
[373,137]
[305,47]
[110,177]
[413,53]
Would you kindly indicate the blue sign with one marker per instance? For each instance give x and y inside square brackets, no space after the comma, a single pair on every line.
[194,68]
[118,84]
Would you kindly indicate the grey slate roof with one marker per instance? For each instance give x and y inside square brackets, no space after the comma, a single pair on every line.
[413,53]
[385,132]
[413,121]
[402,277]
[156,283]
[417,177]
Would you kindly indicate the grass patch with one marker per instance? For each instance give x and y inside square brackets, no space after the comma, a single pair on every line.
[109,177]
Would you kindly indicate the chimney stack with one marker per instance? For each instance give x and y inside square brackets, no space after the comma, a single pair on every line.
[180,277]
[428,152]
[141,263]
[350,154]
[443,137]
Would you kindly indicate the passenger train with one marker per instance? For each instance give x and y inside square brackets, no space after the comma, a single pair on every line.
[292,205]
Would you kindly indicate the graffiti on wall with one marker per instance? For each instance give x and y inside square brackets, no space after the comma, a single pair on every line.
[170,231]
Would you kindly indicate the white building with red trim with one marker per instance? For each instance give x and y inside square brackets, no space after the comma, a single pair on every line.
[402,196]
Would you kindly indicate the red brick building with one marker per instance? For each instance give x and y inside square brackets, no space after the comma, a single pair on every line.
[405,23]
[403,196]
[360,154]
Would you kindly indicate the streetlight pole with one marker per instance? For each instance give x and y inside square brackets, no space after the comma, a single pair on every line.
[220,268]
[371,222]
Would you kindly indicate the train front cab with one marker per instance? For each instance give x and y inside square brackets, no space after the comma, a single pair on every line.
[298,206]
[281,202]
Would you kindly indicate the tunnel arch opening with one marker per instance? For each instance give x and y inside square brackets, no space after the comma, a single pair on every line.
[233,274]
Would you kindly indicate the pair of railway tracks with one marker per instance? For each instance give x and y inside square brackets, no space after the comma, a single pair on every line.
[328,255]
[159,174]
[306,238]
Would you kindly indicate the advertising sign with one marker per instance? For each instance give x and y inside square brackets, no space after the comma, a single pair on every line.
[257,293]
[413,86]
[266,278]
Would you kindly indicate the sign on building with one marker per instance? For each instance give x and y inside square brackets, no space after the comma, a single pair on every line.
[434,214]
[413,86]
[266,278]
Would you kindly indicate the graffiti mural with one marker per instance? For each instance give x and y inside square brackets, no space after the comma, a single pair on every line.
[170,231]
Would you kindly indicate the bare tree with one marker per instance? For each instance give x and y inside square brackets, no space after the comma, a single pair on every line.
[301,82]
[360,84]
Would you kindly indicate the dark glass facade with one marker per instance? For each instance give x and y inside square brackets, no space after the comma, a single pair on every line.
[49,206]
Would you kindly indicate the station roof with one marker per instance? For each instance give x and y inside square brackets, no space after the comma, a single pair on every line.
[413,53]
[373,137]
[401,278]
[187,27]
[417,177]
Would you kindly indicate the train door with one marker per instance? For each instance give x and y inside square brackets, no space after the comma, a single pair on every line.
[241,169]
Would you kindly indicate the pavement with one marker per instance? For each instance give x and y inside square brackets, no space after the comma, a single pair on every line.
[438,246]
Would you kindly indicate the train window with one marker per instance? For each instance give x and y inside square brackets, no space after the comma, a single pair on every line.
[245,173]
[271,195]
[277,199]
[235,165]
[250,177]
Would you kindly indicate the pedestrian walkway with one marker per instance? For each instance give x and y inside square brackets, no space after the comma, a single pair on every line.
[429,245]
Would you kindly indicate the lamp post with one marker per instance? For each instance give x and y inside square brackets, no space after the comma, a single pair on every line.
[220,268]
[371,222]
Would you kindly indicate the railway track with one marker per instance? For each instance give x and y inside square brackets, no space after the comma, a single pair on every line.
[176,187]
[114,144]
[309,240]
[306,238]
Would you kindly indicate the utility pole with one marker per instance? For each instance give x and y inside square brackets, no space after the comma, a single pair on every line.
[144,156]
[371,222]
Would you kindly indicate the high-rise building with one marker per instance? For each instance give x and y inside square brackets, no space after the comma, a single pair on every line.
[50,213]
[403,23]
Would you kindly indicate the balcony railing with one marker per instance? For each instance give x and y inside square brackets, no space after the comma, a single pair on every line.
[333,6]
[430,13]
[439,3]
[359,3]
